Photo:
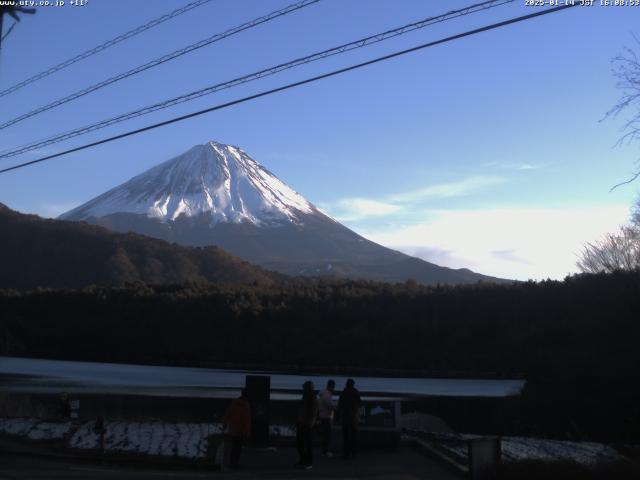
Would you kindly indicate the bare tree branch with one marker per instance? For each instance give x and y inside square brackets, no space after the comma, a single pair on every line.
[616,251]
[626,69]
[631,180]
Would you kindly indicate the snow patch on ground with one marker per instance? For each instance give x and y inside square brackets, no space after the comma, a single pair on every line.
[516,449]
[585,453]
[85,437]
[282,430]
[35,429]
[50,431]
[190,440]
[185,440]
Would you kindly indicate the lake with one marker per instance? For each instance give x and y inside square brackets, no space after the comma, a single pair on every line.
[30,375]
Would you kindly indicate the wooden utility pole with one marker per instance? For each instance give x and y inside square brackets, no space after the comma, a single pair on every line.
[13,11]
[1,22]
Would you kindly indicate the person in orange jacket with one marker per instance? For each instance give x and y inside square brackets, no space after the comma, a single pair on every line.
[237,423]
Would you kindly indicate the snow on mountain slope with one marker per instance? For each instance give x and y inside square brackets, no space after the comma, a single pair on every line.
[216,194]
[218,180]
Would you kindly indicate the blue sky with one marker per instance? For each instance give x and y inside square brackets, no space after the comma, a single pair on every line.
[487,152]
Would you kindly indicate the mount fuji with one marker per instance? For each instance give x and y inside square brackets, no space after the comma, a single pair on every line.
[216,194]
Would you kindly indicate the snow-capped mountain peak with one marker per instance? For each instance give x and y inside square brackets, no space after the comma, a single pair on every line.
[214,179]
[216,194]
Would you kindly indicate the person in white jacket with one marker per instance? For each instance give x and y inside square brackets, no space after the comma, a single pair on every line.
[325,411]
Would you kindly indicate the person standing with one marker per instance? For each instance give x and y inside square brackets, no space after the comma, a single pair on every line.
[64,405]
[307,413]
[237,423]
[348,412]
[326,408]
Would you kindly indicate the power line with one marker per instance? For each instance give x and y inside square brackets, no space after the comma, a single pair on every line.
[256,75]
[165,58]
[104,46]
[296,84]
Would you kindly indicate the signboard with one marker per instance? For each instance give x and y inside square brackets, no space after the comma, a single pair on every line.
[380,414]
[68,407]
[74,406]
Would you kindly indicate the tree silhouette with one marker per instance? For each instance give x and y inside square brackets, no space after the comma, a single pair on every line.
[616,251]
[626,69]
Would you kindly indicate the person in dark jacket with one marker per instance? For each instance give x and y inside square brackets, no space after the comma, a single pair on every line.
[237,423]
[307,413]
[348,413]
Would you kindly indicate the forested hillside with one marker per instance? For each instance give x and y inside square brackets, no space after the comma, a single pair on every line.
[35,252]
[576,341]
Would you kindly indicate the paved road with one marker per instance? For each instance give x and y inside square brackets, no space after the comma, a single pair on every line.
[404,464]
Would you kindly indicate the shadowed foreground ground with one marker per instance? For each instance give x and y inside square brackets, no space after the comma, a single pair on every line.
[404,464]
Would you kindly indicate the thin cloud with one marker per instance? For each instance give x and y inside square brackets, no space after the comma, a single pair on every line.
[519,243]
[528,166]
[460,188]
[359,208]
[516,166]
[354,209]
[509,255]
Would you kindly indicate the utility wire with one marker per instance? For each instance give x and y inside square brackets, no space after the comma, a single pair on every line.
[295,84]
[163,59]
[105,45]
[257,75]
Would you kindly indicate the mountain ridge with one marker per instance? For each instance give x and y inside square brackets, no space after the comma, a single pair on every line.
[51,253]
[216,194]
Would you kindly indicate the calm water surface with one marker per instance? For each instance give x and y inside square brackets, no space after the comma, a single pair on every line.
[50,376]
